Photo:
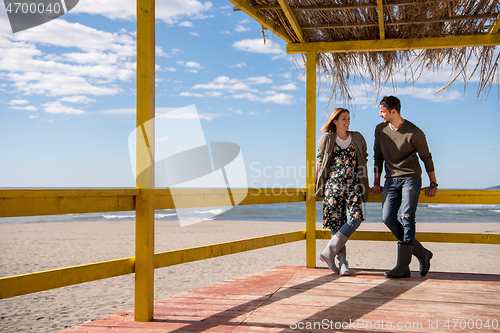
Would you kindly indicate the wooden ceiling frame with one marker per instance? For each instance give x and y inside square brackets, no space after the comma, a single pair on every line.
[491,38]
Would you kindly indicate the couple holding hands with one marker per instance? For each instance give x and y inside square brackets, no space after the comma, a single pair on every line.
[342,181]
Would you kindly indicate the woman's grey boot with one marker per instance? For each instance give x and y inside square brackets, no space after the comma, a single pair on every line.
[402,268]
[424,257]
[343,263]
[336,244]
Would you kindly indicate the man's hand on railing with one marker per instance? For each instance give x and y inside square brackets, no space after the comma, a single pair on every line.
[376,189]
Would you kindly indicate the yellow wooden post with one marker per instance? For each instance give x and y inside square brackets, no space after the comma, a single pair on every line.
[310,159]
[145,182]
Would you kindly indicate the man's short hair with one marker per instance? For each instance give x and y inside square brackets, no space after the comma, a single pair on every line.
[391,103]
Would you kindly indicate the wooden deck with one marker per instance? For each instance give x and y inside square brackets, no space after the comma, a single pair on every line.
[298,299]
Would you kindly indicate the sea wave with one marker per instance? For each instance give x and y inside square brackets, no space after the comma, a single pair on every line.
[164,215]
[119,216]
[463,206]
[211,211]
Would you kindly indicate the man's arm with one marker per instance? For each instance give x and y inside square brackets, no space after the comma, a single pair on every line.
[376,189]
[426,157]
[379,162]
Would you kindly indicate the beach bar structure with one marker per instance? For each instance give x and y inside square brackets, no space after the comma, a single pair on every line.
[385,30]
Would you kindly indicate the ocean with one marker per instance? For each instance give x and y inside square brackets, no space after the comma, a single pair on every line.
[286,212]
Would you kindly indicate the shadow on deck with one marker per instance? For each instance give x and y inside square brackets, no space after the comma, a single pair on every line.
[298,299]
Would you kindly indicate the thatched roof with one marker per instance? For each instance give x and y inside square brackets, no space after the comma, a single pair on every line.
[314,21]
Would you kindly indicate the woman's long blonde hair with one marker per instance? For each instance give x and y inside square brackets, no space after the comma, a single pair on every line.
[335,115]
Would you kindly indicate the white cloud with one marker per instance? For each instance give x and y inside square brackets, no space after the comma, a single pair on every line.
[240,28]
[429,93]
[220,84]
[289,86]
[226,32]
[240,65]
[186,24]
[240,88]
[55,84]
[188,94]
[162,139]
[86,58]
[25,108]
[18,102]
[365,95]
[58,108]
[104,58]
[159,52]
[170,11]
[131,111]
[276,98]
[77,99]
[226,83]
[32,117]
[193,66]
[193,34]
[65,34]
[260,80]
[118,111]
[190,115]
[236,111]
[170,69]
[258,46]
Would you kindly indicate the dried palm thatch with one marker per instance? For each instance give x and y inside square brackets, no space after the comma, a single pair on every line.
[348,20]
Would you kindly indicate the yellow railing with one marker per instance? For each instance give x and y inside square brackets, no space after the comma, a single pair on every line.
[48,202]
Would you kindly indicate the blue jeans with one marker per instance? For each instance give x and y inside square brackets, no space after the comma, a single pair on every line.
[404,194]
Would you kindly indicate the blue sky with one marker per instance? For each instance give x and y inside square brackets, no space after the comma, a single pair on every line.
[67,99]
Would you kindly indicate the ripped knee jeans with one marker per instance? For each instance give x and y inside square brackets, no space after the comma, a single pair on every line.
[404,194]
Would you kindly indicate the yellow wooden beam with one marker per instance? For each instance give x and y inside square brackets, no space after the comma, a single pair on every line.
[14,203]
[380,10]
[34,282]
[176,257]
[264,21]
[285,6]
[40,281]
[436,237]
[463,197]
[310,159]
[496,25]
[145,181]
[191,198]
[395,44]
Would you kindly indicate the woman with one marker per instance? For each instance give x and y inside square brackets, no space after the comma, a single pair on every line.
[343,183]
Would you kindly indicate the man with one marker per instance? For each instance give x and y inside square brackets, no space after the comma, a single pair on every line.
[397,142]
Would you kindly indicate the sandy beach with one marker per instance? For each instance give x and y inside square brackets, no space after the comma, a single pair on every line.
[32,247]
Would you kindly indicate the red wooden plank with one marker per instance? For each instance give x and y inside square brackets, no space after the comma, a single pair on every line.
[273,300]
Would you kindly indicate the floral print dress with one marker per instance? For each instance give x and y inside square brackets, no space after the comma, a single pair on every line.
[342,188]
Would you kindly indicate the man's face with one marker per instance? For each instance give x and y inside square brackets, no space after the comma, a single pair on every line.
[386,114]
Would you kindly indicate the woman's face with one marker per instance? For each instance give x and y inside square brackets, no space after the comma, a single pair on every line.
[343,122]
